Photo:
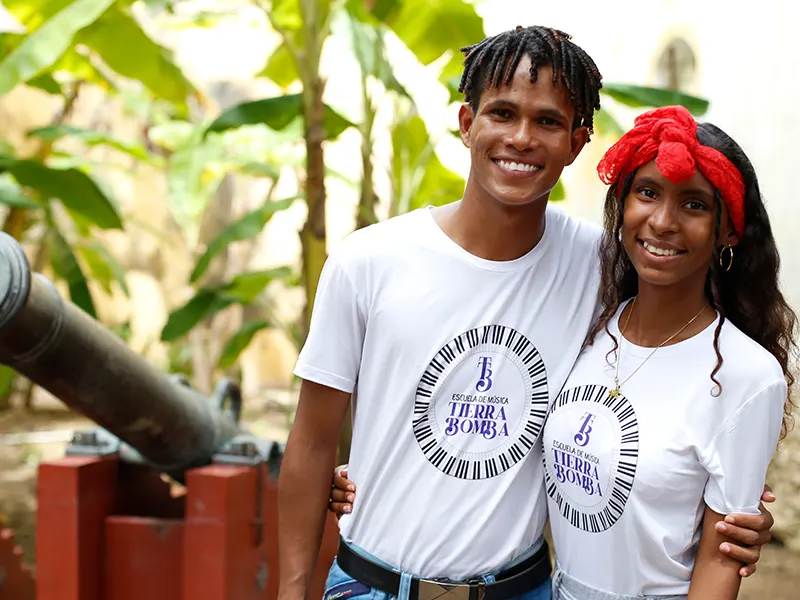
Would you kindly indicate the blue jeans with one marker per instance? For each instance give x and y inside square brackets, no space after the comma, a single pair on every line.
[341,586]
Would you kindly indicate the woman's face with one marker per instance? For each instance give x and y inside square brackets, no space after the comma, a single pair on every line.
[668,228]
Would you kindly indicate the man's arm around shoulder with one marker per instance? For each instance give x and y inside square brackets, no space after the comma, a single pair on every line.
[305,485]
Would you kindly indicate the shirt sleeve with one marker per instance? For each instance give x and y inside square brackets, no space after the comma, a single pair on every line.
[738,456]
[331,355]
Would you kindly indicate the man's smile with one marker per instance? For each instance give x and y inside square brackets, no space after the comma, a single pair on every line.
[517,167]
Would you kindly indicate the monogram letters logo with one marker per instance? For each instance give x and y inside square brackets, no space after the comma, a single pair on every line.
[476,425]
[591,449]
[582,437]
[485,381]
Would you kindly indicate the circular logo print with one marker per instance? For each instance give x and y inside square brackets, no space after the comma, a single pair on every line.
[481,403]
[591,448]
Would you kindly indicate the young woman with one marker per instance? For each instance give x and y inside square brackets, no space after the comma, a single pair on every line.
[673,411]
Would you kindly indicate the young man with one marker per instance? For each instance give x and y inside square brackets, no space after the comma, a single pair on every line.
[453,328]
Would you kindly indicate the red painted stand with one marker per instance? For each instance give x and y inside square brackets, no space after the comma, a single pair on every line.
[107,530]
[16,581]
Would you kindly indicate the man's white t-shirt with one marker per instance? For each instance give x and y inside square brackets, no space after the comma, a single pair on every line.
[628,478]
[453,361]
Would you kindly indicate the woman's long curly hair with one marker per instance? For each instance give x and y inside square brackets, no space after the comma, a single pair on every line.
[748,294]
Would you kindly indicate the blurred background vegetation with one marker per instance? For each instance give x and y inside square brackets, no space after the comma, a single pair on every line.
[59,199]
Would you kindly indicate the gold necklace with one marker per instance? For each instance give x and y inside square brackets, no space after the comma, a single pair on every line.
[616,391]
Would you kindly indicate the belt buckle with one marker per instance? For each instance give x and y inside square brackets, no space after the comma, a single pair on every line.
[431,589]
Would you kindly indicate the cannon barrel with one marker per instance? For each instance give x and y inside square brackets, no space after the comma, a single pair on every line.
[62,349]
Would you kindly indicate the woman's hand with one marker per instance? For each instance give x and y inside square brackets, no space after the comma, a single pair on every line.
[343,493]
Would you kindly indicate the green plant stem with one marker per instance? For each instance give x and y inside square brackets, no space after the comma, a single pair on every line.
[313,234]
[297,54]
[366,204]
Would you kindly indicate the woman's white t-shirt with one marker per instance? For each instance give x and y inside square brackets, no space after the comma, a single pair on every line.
[627,478]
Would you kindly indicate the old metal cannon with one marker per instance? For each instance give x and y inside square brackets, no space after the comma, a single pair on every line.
[169,497]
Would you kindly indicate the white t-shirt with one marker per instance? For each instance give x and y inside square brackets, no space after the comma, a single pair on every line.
[453,360]
[627,478]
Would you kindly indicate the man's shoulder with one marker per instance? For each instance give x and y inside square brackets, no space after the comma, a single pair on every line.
[386,232]
[568,224]
[374,241]
[580,233]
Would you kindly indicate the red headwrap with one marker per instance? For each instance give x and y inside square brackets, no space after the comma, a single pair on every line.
[669,135]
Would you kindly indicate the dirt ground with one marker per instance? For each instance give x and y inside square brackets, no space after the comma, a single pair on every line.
[778,576]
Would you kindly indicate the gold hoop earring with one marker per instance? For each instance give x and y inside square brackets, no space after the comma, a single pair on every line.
[730,260]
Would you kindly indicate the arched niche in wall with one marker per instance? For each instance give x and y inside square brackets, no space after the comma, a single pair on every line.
[676,66]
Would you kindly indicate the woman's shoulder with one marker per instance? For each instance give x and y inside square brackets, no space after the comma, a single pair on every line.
[746,363]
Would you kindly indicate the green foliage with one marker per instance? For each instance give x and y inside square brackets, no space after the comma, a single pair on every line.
[46,83]
[429,28]
[105,269]
[42,48]
[33,13]
[73,36]
[239,342]
[75,43]
[199,161]
[122,44]
[286,15]
[419,177]
[452,83]
[79,192]
[558,193]
[245,228]
[606,124]
[66,266]
[242,289]
[637,96]
[7,376]
[96,138]
[368,47]
[193,173]
[78,65]
[276,113]
[281,68]
[12,195]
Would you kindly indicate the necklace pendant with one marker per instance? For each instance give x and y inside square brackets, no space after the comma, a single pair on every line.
[614,393]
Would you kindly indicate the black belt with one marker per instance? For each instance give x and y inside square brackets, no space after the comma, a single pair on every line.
[513,582]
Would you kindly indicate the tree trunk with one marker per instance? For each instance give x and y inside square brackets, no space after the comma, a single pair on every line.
[313,234]
[366,203]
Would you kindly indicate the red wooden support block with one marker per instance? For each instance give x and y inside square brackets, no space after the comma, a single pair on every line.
[16,582]
[223,558]
[144,558]
[74,497]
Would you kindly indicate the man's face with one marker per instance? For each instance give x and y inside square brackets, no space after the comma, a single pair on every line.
[521,137]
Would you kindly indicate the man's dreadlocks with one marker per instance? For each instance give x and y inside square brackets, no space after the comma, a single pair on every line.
[494,60]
